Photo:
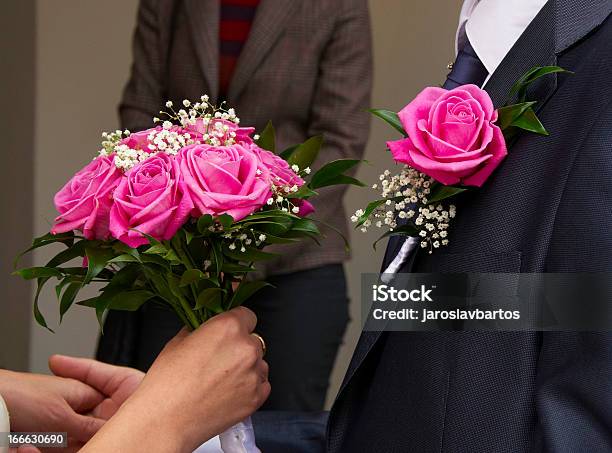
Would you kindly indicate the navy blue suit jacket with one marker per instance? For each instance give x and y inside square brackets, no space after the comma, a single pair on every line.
[547,208]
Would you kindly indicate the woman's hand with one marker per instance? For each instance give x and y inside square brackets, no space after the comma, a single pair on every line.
[201,384]
[39,403]
[115,383]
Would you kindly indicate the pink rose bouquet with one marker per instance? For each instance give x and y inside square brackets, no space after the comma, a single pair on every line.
[453,142]
[181,213]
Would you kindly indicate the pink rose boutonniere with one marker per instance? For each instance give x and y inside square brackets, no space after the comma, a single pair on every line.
[453,141]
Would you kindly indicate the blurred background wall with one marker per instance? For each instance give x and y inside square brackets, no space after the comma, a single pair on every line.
[65,64]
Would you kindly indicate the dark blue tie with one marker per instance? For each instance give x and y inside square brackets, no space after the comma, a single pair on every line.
[466,69]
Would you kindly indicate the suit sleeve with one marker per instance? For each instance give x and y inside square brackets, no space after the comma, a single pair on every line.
[343,88]
[142,96]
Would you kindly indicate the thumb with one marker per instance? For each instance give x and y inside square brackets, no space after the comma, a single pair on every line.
[83,427]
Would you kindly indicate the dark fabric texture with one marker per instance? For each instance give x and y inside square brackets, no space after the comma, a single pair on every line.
[548,208]
[302,319]
[290,432]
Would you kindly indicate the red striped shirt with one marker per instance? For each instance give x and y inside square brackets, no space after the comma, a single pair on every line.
[234,28]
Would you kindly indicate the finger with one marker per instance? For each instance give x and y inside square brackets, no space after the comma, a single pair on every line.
[100,376]
[246,317]
[79,395]
[263,370]
[83,427]
[264,392]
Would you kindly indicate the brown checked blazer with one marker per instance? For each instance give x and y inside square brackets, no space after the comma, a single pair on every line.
[306,67]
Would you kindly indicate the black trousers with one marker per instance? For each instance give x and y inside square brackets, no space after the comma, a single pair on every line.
[302,319]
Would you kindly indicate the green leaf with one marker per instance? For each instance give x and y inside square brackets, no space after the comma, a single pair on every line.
[225,220]
[249,255]
[188,236]
[343,180]
[276,227]
[508,114]
[30,273]
[370,208]
[530,122]
[305,225]
[73,251]
[97,258]
[403,230]
[120,248]
[155,260]
[272,239]
[267,139]
[306,153]
[157,249]
[125,258]
[217,256]
[304,192]
[520,86]
[130,300]
[329,173]
[191,276]
[288,152]
[233,268]
[441,192]
[46,239]
[68,297]
[245,291]
[204,223]
[390,118]
[210,298]
[38,316]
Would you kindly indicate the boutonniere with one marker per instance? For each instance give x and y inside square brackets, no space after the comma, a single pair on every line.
[452,142]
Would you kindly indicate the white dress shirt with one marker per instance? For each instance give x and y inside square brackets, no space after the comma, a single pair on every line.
[492,26]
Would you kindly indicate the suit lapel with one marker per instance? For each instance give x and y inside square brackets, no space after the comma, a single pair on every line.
[204,22]
[270,20]
[535,47]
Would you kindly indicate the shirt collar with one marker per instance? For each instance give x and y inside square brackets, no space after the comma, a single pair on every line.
[493,26]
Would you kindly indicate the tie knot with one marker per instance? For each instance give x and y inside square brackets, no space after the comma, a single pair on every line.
[466,69]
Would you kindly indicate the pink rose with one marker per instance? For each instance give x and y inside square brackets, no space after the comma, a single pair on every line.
[280,171]
[84,203]
[452,137]
[224,179]
[152,199]
[222,129]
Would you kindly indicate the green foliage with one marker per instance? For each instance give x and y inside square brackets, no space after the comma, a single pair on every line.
[390,118]
[267,139]
[332,174]
[305,154]
[441,192]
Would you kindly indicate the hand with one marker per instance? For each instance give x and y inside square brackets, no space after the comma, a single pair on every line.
[115,383]
[201,384]
[47,403]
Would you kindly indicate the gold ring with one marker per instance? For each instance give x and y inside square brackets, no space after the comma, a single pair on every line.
[263,343]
